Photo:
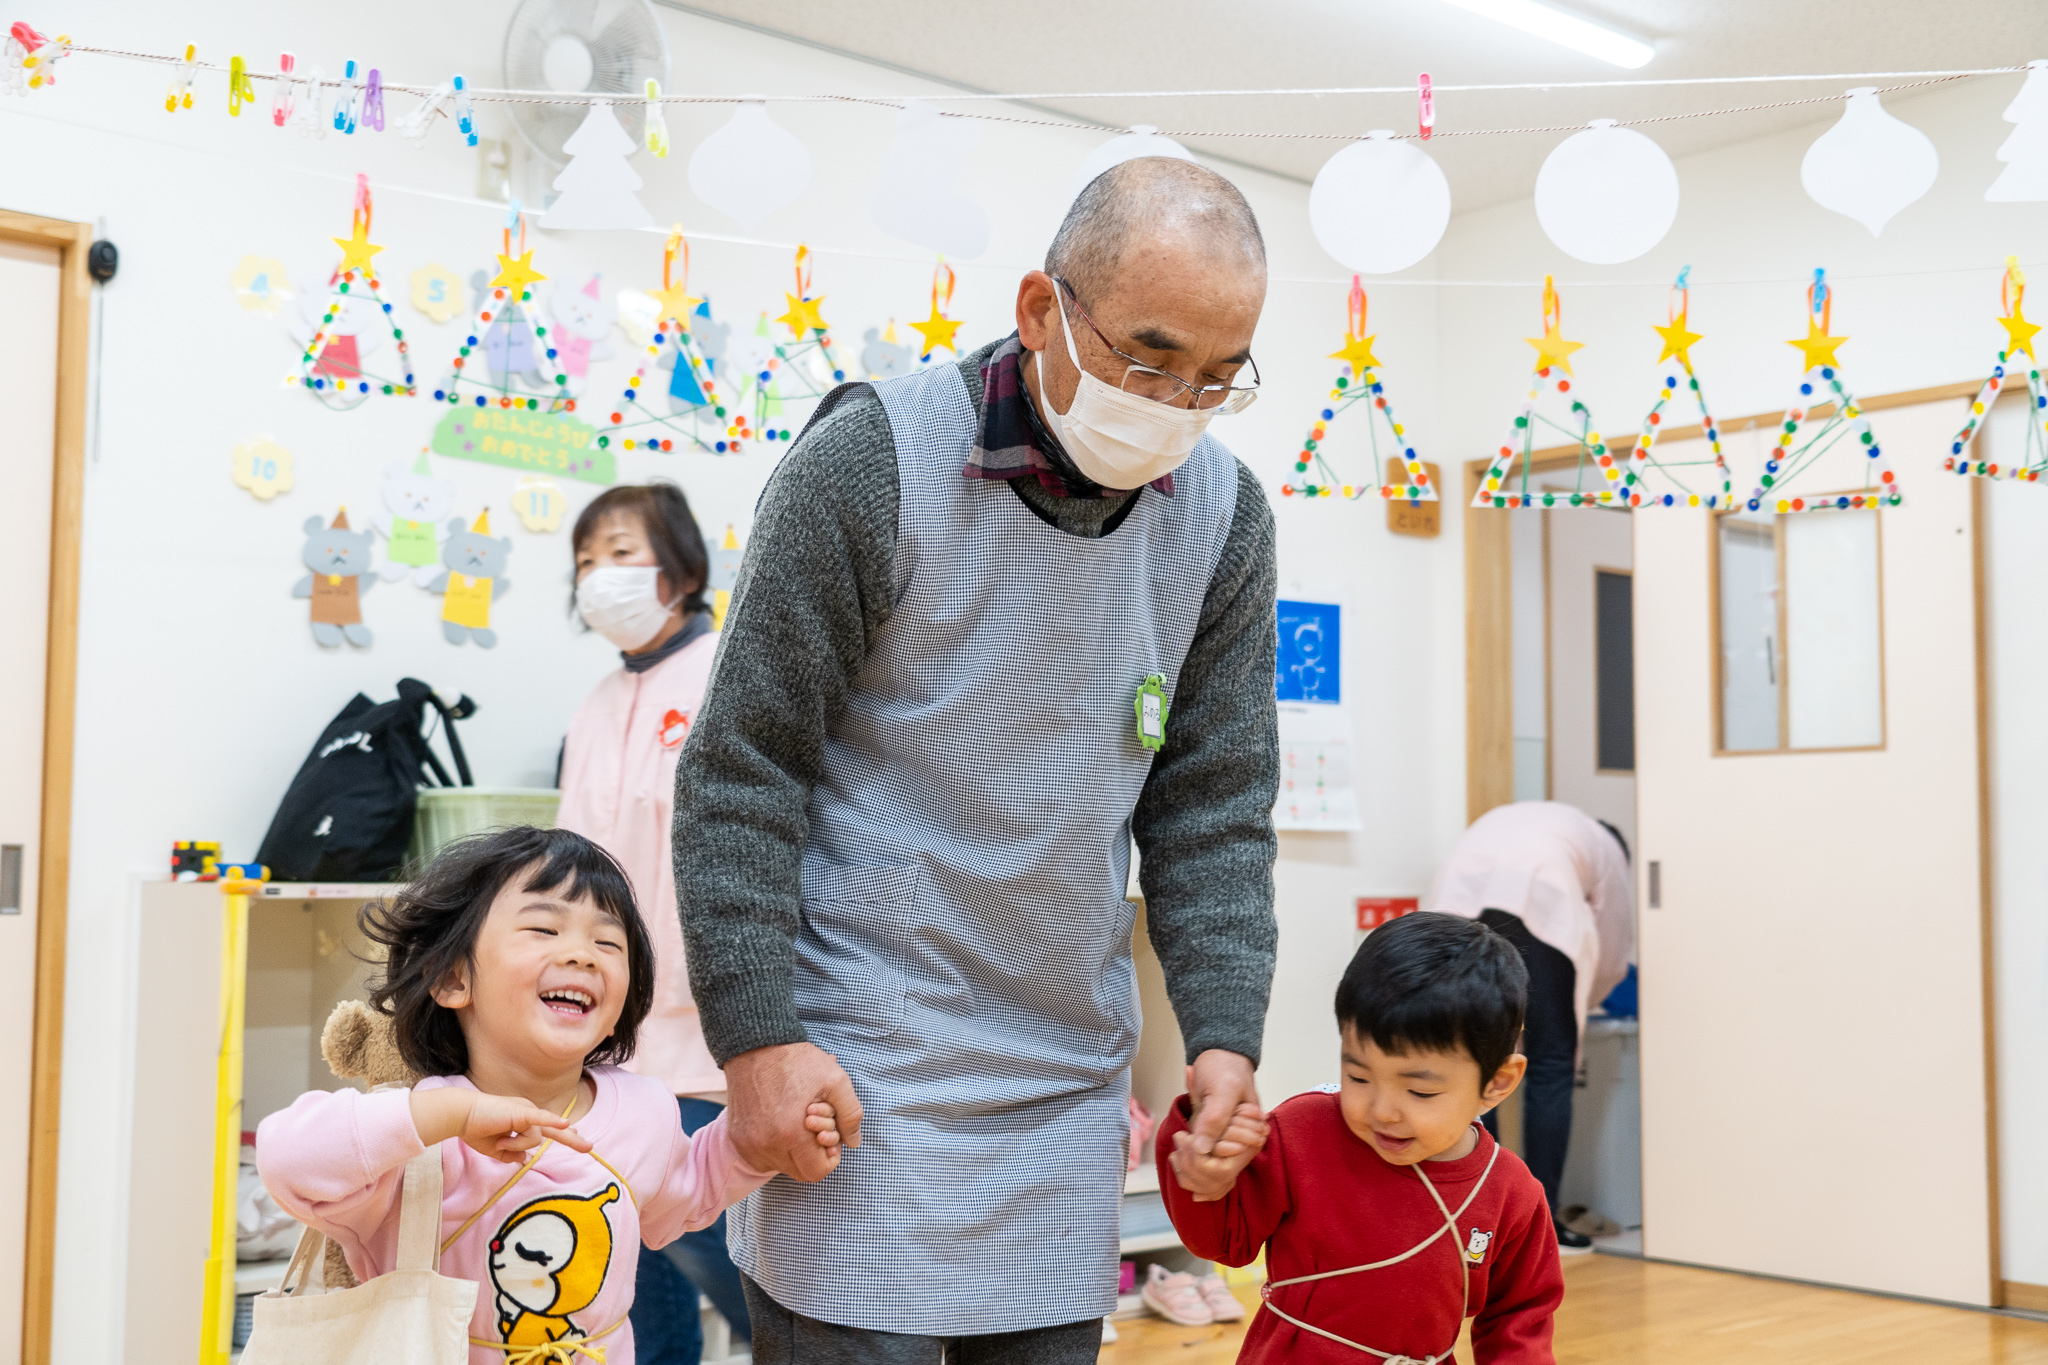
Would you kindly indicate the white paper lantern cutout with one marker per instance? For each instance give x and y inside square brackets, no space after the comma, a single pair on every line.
[915,199]
[1869,165]
[1142,140]
[2025,154]
[750,167]
[1380,204]
[1606,195]
[597,186]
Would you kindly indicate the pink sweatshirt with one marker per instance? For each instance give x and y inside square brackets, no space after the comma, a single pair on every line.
[556,1256]
[618,790]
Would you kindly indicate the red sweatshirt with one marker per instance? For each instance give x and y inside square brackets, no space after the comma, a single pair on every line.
[1319,1199]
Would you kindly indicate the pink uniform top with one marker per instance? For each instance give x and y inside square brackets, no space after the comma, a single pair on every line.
[618,790]
[1561,874]
[555,1257]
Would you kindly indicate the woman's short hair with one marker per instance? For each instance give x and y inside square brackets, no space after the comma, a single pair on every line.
[672,533]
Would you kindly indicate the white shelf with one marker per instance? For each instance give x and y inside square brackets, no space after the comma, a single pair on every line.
[327,891]
[255,1277]
[1144,1180]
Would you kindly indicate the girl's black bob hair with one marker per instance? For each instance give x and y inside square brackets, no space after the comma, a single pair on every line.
[430,927]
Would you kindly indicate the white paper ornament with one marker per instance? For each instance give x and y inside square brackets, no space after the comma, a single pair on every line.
[1606,195]
[750,167]
[1869,165]
[1380,204]
[597,185]
[1142,140]
[2025,153]
[915,199]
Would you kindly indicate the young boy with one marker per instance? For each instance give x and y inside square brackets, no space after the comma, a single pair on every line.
[1387,1213]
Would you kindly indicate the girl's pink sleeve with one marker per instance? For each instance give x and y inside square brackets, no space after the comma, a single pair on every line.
[335,1160]
[704,1175]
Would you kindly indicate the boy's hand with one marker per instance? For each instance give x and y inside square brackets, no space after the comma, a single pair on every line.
[501,1127]
[1209,1177]
[823,1125]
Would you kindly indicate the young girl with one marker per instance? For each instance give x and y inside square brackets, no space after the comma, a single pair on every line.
[517,973]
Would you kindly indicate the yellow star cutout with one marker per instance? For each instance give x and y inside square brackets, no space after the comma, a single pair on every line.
[1357,351]
[1819,347]
[937,330]
[1677,341]
[357,249]
[803,315]
[2019,333]
[1553,349]
[674,303]
[516,274]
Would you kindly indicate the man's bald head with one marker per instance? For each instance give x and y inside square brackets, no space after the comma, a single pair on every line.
[1153,200]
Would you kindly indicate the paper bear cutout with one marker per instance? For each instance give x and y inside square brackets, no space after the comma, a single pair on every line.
[583,319]
[884,357]
[340,562]
[411,527]
[474,578]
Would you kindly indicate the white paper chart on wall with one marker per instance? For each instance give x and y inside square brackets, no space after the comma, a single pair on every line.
[1315,729]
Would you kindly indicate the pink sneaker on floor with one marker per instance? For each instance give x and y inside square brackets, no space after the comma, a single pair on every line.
[1223,1305]
[1173,1295]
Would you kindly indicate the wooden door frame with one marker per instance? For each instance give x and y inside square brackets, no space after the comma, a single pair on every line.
[73,241]
[1490,717]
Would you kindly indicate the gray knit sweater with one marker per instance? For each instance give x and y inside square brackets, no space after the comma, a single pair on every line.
[813,592]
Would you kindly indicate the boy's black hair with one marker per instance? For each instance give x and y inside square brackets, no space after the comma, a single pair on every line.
[430,926]
[1437,983]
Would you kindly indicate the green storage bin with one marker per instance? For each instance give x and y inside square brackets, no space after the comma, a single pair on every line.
[445,814]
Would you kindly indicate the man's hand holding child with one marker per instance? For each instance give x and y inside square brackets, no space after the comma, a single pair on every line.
[1209,1177]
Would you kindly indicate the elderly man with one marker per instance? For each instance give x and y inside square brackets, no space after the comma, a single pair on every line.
[996,620]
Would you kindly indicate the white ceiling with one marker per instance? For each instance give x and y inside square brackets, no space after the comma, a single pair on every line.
[1052,45]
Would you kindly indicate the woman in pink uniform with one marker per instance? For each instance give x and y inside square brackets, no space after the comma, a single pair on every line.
[640,576]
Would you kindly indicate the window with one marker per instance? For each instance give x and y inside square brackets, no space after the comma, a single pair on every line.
[1614,671]
[1800,641]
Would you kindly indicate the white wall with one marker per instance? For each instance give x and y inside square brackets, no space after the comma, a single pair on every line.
[201,688]
[1582,543]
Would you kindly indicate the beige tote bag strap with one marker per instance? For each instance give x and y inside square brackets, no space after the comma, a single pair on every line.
[419,1213]
[308,1265]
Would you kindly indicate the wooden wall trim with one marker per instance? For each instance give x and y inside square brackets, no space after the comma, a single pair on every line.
[67,515]
[2032,1297]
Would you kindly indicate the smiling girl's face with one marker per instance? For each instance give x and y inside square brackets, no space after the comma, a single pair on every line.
[1419,1105]
[545,982]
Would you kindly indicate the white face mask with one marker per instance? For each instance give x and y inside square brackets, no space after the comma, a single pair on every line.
[1118,439]
[622,602]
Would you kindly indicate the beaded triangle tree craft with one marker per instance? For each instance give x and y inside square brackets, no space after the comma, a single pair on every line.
[1802,444]
[938,329]
[1610,481]
[1670,489]
[330,366]
[691,391]
[2019,341]
[1358,382]
[805,366]
[506,339]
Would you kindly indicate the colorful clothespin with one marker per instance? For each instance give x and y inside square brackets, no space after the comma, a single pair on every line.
[348,106]
[1817,295]
[179,96]
[32,58]
[1425,106]
[306,113]
[373,101]
[657,126]
[281,91]
[465,120]
[416,123]
[240,89]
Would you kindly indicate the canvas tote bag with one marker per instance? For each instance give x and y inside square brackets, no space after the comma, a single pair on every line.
[412,1315]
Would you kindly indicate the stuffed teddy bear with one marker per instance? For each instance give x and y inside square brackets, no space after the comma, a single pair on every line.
[357,1046]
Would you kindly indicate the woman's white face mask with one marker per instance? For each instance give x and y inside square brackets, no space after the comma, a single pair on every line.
[622,602]
[1118,439]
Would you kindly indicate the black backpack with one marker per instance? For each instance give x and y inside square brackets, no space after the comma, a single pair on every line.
[347,816]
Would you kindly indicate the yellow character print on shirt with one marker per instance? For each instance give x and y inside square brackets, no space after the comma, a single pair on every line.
[549,1260]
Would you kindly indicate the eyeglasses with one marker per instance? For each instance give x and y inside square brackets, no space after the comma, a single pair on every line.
[1151,382]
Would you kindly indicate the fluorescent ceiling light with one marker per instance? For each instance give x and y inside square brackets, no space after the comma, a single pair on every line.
[1567,30]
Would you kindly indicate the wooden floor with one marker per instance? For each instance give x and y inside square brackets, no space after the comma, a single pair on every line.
[1617,1310]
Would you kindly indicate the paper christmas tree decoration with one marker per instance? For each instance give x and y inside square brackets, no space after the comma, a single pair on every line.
[506,338]
[2025,152]
[330,366]
[1358,383]
[597,185]
[1805,436]
[805,366]
[1655,482]
[938,329]
[1599,478]
[692,391]
[2015,356]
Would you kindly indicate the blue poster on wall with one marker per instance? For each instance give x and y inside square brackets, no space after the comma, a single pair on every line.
[1308,666]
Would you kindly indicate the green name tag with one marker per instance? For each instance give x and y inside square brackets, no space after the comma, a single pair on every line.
[1151,707]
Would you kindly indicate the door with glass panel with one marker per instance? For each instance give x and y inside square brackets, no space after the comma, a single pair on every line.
[1811,932]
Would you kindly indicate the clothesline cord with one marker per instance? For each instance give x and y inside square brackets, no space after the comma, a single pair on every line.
[556,97]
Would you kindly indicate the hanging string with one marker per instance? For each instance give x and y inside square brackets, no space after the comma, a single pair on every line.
[676,241]
[940,305]
[1553,309]
[2012,286]
[359,216]
[803,271]
[1354,310]
[1680,301]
